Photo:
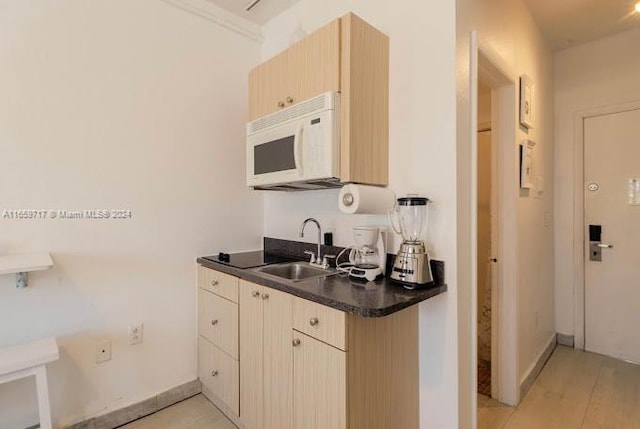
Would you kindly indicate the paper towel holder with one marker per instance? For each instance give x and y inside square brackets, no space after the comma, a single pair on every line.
[347,199]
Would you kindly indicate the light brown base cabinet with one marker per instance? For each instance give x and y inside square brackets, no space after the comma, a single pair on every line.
[218,366]
[303,365]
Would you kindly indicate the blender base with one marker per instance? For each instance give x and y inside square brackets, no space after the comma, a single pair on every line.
[411,267]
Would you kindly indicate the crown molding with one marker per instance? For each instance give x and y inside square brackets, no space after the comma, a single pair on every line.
[209,11]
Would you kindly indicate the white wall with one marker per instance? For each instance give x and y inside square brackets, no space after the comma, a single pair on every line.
[597,74]
[509,37]
[422,160]
[117,104]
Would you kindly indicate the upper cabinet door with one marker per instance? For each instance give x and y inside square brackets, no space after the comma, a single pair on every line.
[308,68]
[267,84]
[315,63]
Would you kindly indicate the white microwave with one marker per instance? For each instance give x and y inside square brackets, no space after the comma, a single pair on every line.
[296,148]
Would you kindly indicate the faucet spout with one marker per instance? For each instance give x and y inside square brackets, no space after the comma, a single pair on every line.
[318,258]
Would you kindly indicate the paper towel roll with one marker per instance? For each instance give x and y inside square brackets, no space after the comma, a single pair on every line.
[363,199]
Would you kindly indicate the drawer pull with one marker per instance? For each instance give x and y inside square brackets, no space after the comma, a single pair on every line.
[313,321]
[280,104]
[214,282]
[296,342]
[255,294]
[265,296]
[289,100]
[214,373]
[214,322]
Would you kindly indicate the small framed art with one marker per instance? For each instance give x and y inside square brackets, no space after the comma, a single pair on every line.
[526,101]
[526,164]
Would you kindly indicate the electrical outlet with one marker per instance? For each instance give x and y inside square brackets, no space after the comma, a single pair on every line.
[103,351]
[135,334]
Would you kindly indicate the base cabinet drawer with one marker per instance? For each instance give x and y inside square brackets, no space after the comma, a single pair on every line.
[218,321]
[219,283]
[219,374]
[321,322]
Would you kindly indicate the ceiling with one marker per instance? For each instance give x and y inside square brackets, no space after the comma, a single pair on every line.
[262,12]
[570,22]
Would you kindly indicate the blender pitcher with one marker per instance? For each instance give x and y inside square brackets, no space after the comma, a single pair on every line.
[409,217]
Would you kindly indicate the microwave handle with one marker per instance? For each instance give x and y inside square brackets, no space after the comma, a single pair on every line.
[297,150]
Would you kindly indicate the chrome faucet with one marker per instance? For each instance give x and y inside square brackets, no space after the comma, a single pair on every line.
[318,257]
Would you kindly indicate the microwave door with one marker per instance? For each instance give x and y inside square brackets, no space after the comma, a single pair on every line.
[276,156]
[297,151]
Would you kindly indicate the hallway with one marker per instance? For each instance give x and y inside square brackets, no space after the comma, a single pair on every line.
[575,390]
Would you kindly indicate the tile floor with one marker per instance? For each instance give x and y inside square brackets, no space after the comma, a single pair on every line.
[194,413]
[575,390]
[484,378]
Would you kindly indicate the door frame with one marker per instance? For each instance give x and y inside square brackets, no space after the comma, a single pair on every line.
[484,65]
[579,212]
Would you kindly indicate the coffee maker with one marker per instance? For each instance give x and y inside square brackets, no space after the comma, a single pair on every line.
[368,257]
[411,267]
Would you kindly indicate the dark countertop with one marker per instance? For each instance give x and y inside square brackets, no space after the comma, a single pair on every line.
[374,299]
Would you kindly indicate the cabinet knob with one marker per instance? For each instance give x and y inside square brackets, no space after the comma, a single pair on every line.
[265,296]
[214,282]
[296,342]
[214,322]
[313,321]
[214,373]
[289,100]
[255,294]
[281,104]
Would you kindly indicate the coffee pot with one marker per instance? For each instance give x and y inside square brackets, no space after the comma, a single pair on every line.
[368,257]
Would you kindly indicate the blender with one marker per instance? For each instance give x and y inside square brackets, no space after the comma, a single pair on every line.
[411,267]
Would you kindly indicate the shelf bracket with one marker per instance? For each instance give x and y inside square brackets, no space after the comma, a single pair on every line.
[22,280]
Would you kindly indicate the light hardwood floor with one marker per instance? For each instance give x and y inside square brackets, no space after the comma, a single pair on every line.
[574,390]
[194,413]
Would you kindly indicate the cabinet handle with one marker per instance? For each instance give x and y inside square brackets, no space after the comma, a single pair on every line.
[214,322]
[255,294]
[313,321]
[214,373]
[290,100]
[296,342]
[214,282]
[281,104]
[265,296]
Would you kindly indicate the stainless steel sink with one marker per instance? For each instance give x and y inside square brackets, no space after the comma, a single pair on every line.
[297,271]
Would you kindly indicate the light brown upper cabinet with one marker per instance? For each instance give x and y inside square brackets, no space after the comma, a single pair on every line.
[347,55]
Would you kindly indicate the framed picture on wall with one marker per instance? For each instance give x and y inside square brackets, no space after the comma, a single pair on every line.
[526,164]
[526,101]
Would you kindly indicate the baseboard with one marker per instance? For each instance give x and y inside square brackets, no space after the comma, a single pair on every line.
[140,409]
[566,340]
[219,404]
[535,370]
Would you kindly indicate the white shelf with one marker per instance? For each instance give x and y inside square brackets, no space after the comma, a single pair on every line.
[24,263]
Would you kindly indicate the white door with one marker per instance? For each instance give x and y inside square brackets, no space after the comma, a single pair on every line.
[612,286]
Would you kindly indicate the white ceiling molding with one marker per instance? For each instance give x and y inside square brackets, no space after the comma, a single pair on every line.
[217,15]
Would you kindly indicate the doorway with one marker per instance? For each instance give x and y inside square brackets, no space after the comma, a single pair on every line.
[485,239]
[500,268]
[611,190]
